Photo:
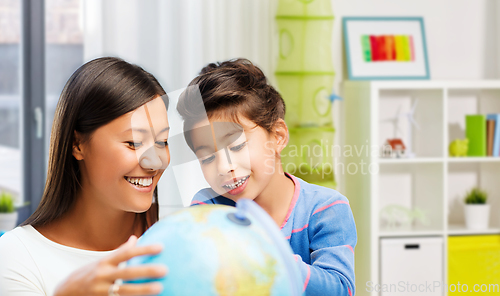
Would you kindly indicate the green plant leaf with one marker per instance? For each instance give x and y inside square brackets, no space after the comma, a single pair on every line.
[6,203]
[476,196]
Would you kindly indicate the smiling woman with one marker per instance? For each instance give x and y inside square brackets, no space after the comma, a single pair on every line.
[138,156]
[108,150]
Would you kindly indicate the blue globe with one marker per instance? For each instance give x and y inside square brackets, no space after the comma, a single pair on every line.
[222,250]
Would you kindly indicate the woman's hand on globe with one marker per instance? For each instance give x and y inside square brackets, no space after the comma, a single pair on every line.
[97,278]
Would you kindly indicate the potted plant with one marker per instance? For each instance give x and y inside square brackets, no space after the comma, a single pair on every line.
[8,214]
[477,212]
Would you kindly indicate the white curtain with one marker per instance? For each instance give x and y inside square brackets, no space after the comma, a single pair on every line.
[174,39]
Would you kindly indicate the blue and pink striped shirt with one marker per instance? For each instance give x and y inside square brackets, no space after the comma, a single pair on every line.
[320,228]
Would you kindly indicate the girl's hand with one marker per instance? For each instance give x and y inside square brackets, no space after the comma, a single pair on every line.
[97,278]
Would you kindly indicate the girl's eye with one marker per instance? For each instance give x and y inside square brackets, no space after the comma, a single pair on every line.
[239,147]
[162,144]
[134,145]
[208,159]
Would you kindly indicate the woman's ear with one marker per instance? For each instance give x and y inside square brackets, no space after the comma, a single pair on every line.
[281,134]
[77,146]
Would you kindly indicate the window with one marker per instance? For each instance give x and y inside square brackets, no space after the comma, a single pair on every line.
[10,98]
[41,45]
[63,52]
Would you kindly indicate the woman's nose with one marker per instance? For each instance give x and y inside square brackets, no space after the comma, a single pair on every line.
[152,159]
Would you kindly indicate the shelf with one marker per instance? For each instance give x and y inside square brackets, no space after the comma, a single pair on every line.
[410,233]
[412,190]
[426,84]
[473,159]
[457,229]
[432,182]
[410,160]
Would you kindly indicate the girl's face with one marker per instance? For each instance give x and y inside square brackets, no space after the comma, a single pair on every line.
[237,160]
[123,160]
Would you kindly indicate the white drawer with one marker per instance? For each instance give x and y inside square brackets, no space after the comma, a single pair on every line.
[411,266]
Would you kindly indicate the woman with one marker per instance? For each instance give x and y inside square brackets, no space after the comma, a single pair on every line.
[108,150]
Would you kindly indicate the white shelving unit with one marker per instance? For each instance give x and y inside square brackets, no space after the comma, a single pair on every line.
[432,181]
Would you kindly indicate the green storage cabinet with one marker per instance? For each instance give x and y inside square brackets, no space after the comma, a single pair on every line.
[307,99]
[305,45]
[309,154]
[305,8]
[305,77]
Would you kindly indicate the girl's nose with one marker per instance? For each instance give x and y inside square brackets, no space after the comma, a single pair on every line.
[225,165]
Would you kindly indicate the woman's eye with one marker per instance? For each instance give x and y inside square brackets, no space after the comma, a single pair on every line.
[162,144]
[134,145]
[208,159]
[239,147]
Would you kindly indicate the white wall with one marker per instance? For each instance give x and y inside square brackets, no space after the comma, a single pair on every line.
[461,34]
[165,36]
[462,38]
[174,39]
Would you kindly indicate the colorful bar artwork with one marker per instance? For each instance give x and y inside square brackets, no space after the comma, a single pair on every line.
[367,49]
[412,48]
[400,48]
[381,48]
[374,46]
[389,46]
[384,48]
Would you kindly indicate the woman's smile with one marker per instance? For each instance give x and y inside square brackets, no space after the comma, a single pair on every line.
[142,184]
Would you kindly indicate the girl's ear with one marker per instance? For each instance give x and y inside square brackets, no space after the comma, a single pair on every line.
[77,146]
[281,135]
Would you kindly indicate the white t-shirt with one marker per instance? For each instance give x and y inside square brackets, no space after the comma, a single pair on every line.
[31,264]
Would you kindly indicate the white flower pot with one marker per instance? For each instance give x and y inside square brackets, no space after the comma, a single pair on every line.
[477,216]
[8,221]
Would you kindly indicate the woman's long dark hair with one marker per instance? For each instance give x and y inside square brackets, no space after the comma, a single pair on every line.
[97,93]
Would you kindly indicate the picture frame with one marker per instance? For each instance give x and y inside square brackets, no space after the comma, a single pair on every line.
[385,48]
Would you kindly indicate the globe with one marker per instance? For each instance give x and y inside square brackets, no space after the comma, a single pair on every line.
[222,250]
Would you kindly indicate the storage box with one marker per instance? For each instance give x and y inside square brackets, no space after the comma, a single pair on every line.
[474,260]
[307,99]
[305,45]
[309,154]
[305,8]
[411,266]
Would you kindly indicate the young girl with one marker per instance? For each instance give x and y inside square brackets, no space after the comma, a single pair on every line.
[107,153]
[245,162]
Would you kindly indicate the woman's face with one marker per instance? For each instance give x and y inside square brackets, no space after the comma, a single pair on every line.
[123,160]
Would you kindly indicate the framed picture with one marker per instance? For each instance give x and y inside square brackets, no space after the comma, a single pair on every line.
[380,48]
